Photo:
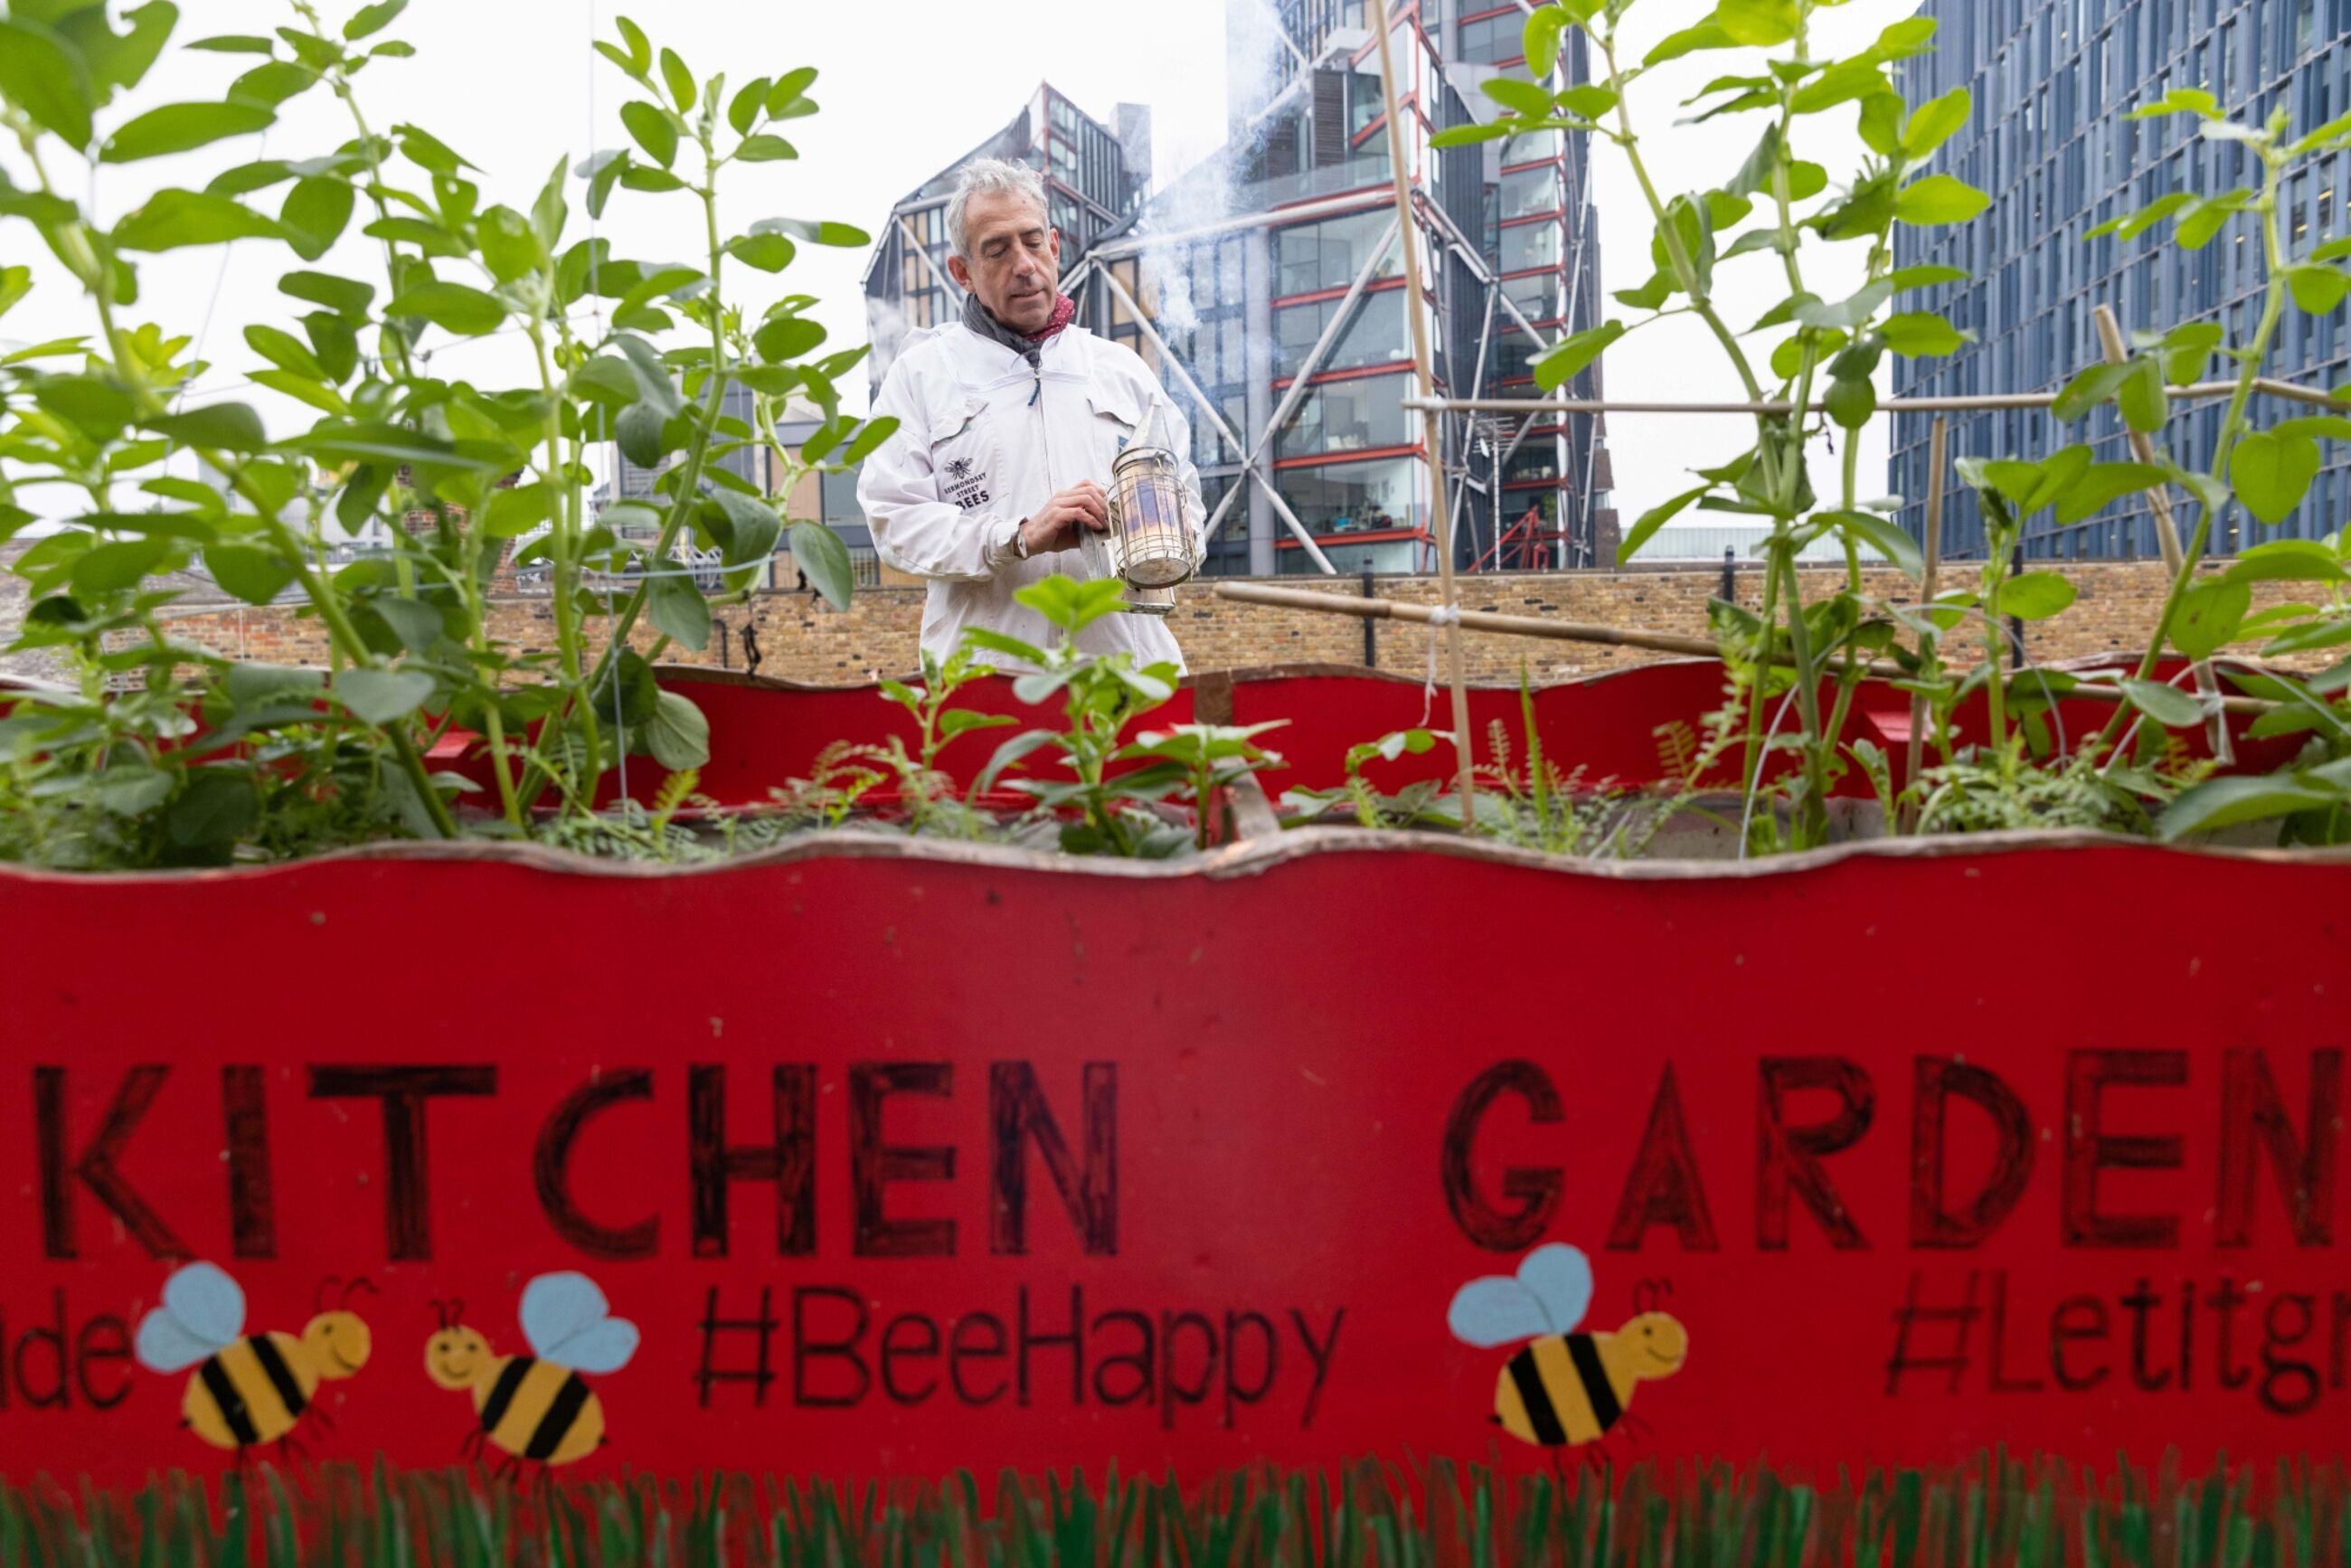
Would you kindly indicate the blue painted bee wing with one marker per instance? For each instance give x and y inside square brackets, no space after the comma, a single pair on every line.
[565,1318]
[203,1299]
[165,1346]
[605,1347]
[1496,1310]
[556,1306]
[1560,1277]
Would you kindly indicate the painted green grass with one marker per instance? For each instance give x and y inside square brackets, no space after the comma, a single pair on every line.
[1999,1512]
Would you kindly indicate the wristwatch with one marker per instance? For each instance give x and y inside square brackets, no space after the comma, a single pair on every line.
[1020,539]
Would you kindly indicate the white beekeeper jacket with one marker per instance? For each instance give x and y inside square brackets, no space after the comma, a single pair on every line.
[983,442]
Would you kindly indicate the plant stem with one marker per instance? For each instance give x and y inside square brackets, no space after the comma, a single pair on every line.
[2232,428]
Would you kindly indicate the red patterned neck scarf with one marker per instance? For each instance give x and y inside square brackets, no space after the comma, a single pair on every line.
[1029,346]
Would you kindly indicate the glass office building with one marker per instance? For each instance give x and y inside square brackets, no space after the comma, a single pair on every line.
[2052,141]
[1272,277]
[1094,177]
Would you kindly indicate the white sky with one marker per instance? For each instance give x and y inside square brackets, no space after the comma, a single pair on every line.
[906,85]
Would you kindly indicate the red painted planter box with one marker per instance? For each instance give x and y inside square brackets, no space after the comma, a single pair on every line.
[905,1157]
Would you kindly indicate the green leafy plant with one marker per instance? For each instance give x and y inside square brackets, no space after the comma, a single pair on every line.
[638,352]
[1779,208]
[1209,759]
[927,792]
[1101,694]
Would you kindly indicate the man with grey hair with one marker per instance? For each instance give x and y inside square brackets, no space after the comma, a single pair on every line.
[1008,420]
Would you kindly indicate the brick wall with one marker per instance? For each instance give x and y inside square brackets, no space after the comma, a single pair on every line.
[800,638]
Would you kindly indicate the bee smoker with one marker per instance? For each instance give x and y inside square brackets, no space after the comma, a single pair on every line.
[1153,546]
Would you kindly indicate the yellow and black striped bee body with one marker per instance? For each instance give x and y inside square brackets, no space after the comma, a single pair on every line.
[1565,1389]
[535,1410]
[248,1389]
[251,1393]
[1562,1387]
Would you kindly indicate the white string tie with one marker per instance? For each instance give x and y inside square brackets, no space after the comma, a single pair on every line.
[1443,615]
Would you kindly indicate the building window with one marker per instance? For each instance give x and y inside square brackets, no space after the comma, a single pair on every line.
[1384,494]
[1537,295]
[1526,191]
[1527,245]
[1492,38]
[1329,254]
[1376,334]
[1360,415]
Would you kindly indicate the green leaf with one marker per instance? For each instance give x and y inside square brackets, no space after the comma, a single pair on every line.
[2088,389]
[2130,225]
[223,426]
[680,81]
[346,296]
[285,350]
[679,611]
[1564,360]
[2035,595]
[2206,218]
[2287,560]
[652,128]
[1690,41]
[2226,802]
[1938,199]
[641,50]
[171,219]
[428,152]
[2317,290]
[1851,401]
[1914,333]
[456,307]
[2102,486]
[44,76]
[1761,24]
[233,43]
[111,567]
[1539,39]
[2272,473]
[1888,539]
[2319,426]
[870,436]
[2181,100]
[183,127]
[2140,396]
[764,149]
[248,572]
[786,338]
[1526,98]
[847,235]
[373,19]
[767,253]
[820,555]
[2209,613]
[788,90]
[1848,313]
[1586,101]
[516,510]
[1905,279]
[509,246]
[379,696]
[750,101]
[217,807]
[1933,122]
[678,734]
[2168,705]
[314,215]
[1656,518]
[272,84]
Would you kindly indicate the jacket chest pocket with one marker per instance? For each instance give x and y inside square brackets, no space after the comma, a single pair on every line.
[1114,422]
[966,457]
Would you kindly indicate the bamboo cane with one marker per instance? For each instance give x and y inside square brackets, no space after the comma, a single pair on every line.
[1431,425]
[1583,631]
[1937,456]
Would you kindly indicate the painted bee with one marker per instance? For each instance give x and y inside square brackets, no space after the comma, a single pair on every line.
[1566,1388]
[535,1407]
[248,1389]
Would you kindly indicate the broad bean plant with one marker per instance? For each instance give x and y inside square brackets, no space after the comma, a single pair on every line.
[201,759]
[1794,663]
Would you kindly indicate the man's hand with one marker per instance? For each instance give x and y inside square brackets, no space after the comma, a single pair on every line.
[1060,523]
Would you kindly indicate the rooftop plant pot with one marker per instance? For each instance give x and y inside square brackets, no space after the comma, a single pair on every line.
[902,1157]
